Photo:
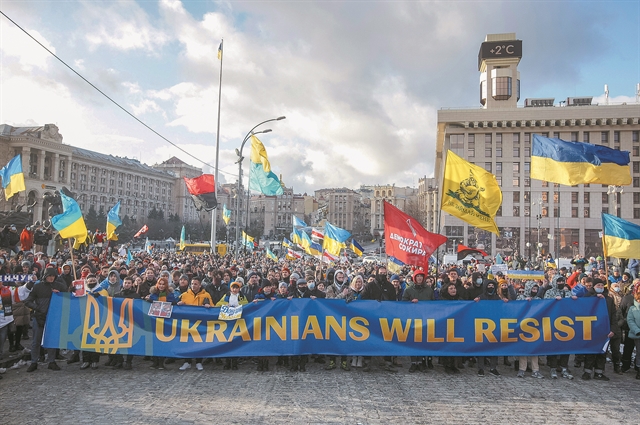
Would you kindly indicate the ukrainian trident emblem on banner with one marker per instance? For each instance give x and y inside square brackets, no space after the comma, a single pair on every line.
[100,332]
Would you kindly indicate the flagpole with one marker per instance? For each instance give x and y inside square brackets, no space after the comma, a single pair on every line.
[73,264]
[214,212]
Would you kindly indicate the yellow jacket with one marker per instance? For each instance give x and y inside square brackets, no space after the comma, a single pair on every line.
[199,299]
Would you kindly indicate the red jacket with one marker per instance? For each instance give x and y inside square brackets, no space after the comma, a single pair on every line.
[26,240]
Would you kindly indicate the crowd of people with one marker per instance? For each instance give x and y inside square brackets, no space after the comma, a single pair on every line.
[211,280]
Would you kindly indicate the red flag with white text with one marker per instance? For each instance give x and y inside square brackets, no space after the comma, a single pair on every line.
[144,229]
[407,240]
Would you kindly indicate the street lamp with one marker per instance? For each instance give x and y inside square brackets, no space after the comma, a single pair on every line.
[239,162]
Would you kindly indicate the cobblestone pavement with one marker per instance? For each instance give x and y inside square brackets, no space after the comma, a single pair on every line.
[146,396]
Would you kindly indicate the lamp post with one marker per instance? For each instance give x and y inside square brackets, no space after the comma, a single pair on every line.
[239,162]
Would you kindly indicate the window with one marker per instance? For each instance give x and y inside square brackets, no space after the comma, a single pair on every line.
[527,144]
[574,136]
[498,145]
[456,144]
[636,213]
[635,136]
[556,211]
[574,197]
[487,146]
[636,198]
[499,180]
[587,197]
[516,211]
[545,196]
[545,212]
[585,136]
[616,138]
[516,152]
[487,166]
[605,198]
[527,211]
[636,167]
[605,210]
[556,134]
[516,197]
[527,196]
[586,212]
[556,197]
[499,212]
[498,167]
[574,212]
[527,182]
[604,137]
[545,183]
[516,168]
[636,150]
[501,88]
[516,182]
[471,152]
[636,182]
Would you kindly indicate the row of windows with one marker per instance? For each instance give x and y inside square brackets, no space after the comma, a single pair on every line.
[456,142]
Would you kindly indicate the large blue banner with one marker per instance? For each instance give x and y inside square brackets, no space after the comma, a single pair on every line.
[305,326]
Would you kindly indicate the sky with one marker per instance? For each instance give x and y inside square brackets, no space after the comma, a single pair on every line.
[360,82]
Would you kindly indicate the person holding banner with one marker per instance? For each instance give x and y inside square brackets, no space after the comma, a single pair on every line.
[195,296]
[38,300]
[449,292]
[490,293]
[418,292]
[160,292]
[234,298]
[596,362]
[559,363]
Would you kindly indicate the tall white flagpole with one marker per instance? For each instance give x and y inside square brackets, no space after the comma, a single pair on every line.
[214,213]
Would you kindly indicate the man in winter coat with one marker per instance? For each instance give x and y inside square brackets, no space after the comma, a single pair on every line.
[195,296]
[559,363]
[598,361]
[419,291]
[38,300]
[380,290]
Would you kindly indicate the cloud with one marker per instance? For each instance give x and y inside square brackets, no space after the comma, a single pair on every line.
[122,25]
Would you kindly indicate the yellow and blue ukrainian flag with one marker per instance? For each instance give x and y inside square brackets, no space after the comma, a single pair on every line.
[113,221]
[261,178]
[298,223]
[620,238]
[572,163]
[12,177]
[286,243]
[355,247]
[334,238]
[247,240]
[226,214]
[271,255]
[394,265]
[70,223]
[296,237]
[183,237]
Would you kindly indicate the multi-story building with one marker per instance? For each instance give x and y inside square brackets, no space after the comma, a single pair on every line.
[273,215]
[536,216]
[428,203]
[404,198]
[184,206]
[98,180]
[337,206]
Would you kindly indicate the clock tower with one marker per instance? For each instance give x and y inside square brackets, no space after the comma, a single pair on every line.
[498,65]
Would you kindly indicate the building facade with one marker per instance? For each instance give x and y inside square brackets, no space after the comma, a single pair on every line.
[337,206]
[428,203]
[536,217]
[404,198]
[272,216]
[97,180]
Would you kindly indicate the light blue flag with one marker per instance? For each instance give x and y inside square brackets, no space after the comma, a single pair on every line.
[147,246]
[129,257]
[113,221]
[298,223]
[261,178]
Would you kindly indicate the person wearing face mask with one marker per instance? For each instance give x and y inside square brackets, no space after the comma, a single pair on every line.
[625,282]
[316,288]
[476,287]
[301,291]
[559,363]
[595,363]
[490,294]
[633,323]
[530,293]
[379,289]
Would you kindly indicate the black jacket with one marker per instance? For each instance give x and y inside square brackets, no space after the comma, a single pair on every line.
[40,297]
[625,304]
[217,292]
[127,293]
[380,290]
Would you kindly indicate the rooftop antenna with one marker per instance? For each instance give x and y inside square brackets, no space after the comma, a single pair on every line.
[606,94]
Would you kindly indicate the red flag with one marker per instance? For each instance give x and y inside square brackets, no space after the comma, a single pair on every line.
[463,251]
[406,239]
[203,192]
[144,229]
